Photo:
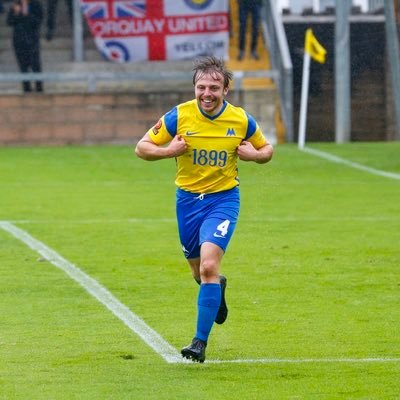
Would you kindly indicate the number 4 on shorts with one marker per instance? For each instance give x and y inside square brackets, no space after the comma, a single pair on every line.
[223,227]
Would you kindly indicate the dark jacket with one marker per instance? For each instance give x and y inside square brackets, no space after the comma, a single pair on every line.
[26,27]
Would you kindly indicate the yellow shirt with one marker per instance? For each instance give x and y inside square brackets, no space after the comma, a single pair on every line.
[210,163]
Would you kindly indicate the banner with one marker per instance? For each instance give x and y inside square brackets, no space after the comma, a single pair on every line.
[141,30]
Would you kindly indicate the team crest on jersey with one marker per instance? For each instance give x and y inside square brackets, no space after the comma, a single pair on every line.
[157,127]
[230,132]
[198,4]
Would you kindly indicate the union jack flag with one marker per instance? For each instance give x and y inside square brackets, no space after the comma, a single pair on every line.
[95,10]
[117,8]
[129,8]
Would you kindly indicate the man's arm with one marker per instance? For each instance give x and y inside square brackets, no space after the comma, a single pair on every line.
[150,151]
[247,152]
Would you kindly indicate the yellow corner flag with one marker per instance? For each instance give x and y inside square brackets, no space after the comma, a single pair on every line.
[314,48]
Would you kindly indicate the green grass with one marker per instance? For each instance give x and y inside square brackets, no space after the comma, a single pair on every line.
[313,273]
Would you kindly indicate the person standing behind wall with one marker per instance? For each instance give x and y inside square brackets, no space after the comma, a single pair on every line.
[247,7]
[52,14]
[25,16]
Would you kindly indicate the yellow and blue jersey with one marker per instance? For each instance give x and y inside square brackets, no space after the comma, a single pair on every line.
[210,163]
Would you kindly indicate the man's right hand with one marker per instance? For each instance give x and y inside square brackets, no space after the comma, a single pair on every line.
[177,146]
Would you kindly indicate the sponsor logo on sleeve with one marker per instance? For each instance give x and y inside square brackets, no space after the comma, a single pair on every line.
[157,127]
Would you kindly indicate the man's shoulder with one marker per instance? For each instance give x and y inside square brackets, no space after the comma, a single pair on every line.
[187,106]
[187,109]
[190,104]
[236,111]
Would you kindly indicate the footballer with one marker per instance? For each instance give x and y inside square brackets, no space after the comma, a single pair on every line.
[206,136]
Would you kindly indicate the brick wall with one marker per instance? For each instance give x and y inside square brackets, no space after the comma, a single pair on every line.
[59,119]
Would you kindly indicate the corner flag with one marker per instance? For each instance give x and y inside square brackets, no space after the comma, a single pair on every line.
[314,48]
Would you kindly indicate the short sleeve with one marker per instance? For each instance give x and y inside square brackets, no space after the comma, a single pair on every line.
[165,129]
[254,134]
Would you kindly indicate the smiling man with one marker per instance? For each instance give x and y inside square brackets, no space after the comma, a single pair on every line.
[206,136]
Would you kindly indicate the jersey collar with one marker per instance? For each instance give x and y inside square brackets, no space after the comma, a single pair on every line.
[212,117]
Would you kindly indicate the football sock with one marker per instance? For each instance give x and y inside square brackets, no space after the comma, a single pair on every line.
[198,280]
[207,308]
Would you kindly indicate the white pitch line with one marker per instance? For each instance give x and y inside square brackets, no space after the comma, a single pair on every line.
[136,324]
[306,360]
[351,164]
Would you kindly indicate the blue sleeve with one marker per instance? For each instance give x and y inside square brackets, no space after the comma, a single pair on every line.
[251,126]
[171,121]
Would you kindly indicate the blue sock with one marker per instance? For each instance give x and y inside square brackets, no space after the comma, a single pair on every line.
[208,304]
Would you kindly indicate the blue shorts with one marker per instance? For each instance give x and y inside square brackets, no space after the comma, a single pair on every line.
[206,218]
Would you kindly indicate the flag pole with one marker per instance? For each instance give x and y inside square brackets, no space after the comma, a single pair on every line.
[312,49]
[304,100]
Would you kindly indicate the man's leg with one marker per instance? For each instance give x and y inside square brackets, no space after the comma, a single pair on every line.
[223,308]
[70,7]
[195,268]
[51,18]
[242,30]
[255,20]
[23,63]
[209,299]
[37,66]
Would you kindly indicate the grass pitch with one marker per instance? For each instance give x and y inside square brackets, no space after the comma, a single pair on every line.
[313,273]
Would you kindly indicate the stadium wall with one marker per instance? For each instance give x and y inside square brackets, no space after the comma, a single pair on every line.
[116,118]
[372,108]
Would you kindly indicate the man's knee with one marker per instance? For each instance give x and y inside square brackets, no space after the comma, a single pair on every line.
[209,268]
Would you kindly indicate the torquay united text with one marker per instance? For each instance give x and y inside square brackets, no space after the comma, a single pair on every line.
[167,25]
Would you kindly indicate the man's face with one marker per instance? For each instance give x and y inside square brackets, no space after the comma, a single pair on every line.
[210,92]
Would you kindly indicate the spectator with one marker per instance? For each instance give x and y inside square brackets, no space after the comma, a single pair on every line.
[51,16]
[247,7]
[25,16]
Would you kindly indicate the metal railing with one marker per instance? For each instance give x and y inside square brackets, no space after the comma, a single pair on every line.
[275,37]
[92,79]
[375,4]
